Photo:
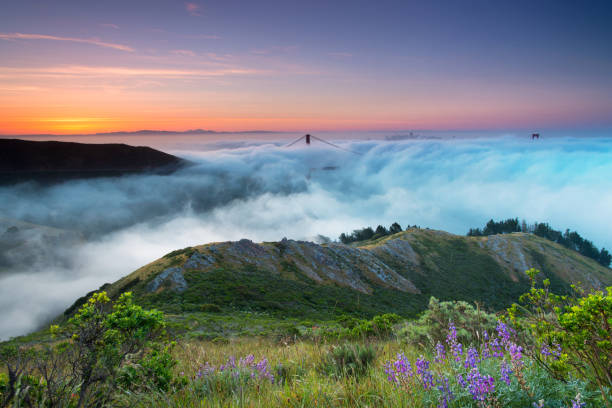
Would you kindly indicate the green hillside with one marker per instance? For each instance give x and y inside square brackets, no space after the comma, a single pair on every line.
[213,288]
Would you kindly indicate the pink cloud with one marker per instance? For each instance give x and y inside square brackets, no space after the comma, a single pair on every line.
[92,41]
[193,9]
[106,71]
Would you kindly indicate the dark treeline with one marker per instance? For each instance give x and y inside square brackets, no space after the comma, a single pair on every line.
[569,239]
[369,233]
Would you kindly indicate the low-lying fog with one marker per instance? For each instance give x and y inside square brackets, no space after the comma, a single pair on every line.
[71,238]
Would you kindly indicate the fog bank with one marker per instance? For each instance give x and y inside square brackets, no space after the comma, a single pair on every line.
[96,231]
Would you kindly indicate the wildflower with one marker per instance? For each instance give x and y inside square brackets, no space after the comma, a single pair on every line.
[247,361]
[446,394]
[480,385]
[545,350]
[577,402]
[455,347]
[516,354]
[402,365]
[471,358]
[461,381]
[440,353]
[496,348]
[503,332]
[422,369]
[505,372]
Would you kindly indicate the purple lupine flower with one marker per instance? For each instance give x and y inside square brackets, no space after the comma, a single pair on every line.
[496,348]
[247,361]
[480,385]
[555,353]
[516,353]
[422,369]
[263,369]
[452,334]
[390,371]
[503,332]
[505,372]
[440,353]
[471,358]
[455,347]
[461,381]
[402,366]
[446,394]
[577,402]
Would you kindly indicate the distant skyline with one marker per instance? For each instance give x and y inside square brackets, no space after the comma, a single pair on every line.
[73,67]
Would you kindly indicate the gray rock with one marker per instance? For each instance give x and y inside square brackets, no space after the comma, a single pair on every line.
[198,261]
[173,275]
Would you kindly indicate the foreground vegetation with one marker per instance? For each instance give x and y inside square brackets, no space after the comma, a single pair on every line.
[545,351]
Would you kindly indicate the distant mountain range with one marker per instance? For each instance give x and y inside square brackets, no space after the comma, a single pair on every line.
[50,160]
[397,273]
[149,132]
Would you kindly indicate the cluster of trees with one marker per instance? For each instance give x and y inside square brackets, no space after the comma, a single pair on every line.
[569,239]
[369,233]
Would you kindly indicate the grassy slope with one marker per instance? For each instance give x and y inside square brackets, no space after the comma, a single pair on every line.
[263,289]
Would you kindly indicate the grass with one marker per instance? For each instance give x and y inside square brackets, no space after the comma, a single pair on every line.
[301,383]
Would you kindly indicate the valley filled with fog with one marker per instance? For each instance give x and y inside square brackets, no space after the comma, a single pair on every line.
[63,240]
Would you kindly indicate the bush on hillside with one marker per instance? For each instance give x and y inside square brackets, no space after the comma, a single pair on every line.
[106,346]
[432,326]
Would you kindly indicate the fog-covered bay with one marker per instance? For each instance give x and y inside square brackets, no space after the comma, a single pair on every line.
[74,236]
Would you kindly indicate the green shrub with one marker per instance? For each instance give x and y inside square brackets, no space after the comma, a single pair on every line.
[567,334]
[348,360]
[102,342]
[432,326]
[210,308]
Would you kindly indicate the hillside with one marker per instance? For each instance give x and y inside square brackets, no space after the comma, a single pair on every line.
[398,273]
[24,159]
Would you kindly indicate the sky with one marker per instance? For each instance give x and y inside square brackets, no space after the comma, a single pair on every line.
[70,67]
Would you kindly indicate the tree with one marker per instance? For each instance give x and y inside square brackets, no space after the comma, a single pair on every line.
[395,228]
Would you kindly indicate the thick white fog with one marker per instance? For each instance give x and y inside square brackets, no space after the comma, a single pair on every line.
[267,192]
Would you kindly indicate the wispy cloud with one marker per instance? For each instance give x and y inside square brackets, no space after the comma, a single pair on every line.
[185,53]
[285,49]
[340,54]
[193,9]
[92,41]
[110,25]
[101,71]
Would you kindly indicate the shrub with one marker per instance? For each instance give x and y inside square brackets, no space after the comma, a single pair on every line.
[104,342]
[210,308]
[431,327]
[567,334]
[348,360]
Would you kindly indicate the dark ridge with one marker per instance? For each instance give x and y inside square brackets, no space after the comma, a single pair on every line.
[22,160]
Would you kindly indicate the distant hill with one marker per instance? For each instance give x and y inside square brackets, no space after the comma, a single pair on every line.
[24,159]
[396,273]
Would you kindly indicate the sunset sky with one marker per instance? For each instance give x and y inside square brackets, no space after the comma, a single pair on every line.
[83,66]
